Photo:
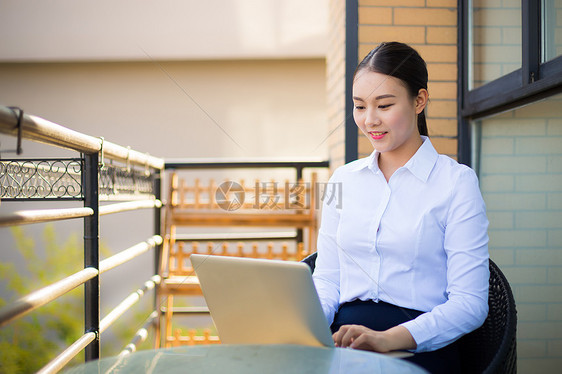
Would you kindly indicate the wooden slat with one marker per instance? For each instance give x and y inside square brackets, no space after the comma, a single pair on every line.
[249,219]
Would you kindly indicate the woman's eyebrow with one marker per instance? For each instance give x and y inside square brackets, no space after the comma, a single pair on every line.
[380,97]
[384,96]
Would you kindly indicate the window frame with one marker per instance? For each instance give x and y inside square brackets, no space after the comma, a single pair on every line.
[532,82]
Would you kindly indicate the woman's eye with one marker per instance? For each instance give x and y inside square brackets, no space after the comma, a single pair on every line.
[385,106]
[359,107]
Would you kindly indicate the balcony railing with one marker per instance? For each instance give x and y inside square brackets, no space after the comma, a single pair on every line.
[132,177]
[102,171]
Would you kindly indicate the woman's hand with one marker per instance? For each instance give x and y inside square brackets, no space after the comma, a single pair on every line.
[361,337]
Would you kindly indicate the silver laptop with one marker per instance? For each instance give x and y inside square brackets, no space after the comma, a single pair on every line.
[255,301]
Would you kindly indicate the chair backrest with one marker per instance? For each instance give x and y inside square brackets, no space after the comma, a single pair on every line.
[310,260]
[492,347]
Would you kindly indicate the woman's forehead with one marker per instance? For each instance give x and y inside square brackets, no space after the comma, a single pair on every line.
[374,84]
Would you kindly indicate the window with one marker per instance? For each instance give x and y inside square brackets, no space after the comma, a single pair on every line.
[551,14]
[493,76]
[495,40]
[510,131]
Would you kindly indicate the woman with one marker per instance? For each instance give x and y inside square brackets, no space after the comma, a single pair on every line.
[403,257]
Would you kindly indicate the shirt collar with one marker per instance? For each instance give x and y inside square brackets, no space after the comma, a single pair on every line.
[368,161]
[420,165]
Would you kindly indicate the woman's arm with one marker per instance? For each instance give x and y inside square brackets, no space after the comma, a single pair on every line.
[326,273]
[466,248]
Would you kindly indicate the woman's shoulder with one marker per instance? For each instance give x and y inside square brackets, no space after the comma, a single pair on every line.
[452,166]
[450,170]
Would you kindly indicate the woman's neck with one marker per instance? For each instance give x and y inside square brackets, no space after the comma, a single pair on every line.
[391,161]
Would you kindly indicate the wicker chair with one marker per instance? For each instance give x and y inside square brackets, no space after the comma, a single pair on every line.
[490,348]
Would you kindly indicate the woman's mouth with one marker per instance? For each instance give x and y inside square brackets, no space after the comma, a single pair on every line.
[377,135]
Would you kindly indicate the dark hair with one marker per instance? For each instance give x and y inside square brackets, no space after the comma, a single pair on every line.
[403,62]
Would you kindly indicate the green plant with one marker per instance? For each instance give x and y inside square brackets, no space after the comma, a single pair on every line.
[30,342]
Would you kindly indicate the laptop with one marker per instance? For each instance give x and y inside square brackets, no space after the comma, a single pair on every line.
[259,301]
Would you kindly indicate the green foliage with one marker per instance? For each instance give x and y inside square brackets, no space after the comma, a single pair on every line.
[30,342]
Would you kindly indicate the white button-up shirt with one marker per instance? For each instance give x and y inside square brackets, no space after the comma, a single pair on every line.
[419,241]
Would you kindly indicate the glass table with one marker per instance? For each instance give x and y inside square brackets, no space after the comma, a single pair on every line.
[285,359]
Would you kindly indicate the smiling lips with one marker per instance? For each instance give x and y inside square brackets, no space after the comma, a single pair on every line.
[377,134]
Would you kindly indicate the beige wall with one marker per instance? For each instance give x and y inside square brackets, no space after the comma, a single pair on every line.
[181,109]
[270,108]
[79,30]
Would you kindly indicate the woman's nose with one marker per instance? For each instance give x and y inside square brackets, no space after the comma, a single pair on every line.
[372,118]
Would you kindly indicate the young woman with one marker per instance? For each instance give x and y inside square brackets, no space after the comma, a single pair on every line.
[403,256]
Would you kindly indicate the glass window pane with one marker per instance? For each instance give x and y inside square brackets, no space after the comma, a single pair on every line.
[495,39]
[521,181]
[551,29]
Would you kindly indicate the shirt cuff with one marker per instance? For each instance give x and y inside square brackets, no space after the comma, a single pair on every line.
[416,330]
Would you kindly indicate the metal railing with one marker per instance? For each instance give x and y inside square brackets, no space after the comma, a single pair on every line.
[89,179]
[104,172]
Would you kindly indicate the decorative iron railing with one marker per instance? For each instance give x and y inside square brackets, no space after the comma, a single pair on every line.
[105,171]
[30,179]
[122,182]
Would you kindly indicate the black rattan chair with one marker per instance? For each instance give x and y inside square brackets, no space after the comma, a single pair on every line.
[490,348]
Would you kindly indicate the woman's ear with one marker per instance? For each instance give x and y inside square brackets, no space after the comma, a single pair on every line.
[421,100]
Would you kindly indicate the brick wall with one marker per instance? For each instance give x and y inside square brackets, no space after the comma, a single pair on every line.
[521,181]
[430,26]
[335,84]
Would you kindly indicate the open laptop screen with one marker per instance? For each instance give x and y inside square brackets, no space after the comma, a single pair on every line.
[258,301]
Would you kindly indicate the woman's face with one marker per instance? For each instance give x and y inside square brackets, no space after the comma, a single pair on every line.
[386,113]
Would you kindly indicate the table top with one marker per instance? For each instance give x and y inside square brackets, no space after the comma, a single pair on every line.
[222,358]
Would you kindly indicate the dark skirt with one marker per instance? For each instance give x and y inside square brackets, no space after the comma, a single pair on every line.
[381,316]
